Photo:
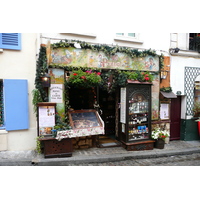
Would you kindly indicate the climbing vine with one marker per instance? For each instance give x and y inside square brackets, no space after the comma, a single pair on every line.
[110,79]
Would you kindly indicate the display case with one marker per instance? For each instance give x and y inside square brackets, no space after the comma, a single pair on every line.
[135,116]
[81,119]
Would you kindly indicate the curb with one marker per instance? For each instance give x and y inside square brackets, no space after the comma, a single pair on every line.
[110,158]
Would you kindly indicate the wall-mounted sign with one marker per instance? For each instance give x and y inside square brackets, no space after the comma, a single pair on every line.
[56,93]
[123,106]
[88,58]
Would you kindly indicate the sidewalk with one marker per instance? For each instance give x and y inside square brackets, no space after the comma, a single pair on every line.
[31,158]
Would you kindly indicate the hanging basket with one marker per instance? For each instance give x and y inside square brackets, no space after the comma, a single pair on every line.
[160,143]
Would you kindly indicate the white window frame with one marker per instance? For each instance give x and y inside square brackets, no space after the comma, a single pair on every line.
[127,38]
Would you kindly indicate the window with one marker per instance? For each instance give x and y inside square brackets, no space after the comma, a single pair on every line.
[10,41]
[126,34]
[194,41]
[128,37]
[14,104]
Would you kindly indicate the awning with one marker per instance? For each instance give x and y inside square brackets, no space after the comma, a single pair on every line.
[169,95]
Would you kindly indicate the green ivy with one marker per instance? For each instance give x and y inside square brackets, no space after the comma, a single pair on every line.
[166,89]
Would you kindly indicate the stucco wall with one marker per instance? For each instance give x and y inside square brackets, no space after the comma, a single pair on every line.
[21,65]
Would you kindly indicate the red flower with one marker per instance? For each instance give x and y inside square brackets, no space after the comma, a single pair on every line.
[83,77]
[146,78]
[75,74]
[99,73]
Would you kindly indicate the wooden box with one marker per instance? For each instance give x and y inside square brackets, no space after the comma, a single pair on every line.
[56,149]
[139,146]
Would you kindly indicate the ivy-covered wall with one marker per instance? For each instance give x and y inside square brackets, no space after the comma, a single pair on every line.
[130,62]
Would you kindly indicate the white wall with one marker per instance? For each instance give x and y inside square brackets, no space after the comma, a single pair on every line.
[150,40]
[178,65]
[21,65]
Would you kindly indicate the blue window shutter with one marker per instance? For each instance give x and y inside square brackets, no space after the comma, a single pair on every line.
[16,104]
[10,41]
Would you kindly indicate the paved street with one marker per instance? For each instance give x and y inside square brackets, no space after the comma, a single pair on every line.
[179,160]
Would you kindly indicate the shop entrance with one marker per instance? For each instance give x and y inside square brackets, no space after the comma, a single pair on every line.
[107,103]
[81,98]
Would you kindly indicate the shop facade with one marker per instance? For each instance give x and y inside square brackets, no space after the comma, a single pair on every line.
[119,85]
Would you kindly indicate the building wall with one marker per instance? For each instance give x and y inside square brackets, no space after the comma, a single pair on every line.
[21,65]
[143,40]
[180,80]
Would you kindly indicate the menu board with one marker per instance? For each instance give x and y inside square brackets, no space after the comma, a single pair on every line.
[123,106]
[46,119]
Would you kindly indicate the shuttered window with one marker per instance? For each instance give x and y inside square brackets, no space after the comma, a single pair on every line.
[1,105]
[16,115]
[10,41]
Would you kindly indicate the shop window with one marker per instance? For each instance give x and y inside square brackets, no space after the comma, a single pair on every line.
[10,41]
[14,104]
[194,41]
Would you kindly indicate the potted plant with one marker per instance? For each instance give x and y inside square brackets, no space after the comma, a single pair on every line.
[196,109]
[198,124]
[84,79]
[159,136]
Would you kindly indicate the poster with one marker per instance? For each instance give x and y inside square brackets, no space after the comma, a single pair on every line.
[164,111]
[123,106]
[47,116]
[46,119]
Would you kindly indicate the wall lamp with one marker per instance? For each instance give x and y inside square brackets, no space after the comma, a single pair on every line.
[45,80]
[163,74]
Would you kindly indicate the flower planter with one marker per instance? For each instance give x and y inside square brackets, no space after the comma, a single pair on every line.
[198,127]
[160,144]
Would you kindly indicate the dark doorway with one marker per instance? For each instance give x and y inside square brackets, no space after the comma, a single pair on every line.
[107,102]
[81,98]
[175,115]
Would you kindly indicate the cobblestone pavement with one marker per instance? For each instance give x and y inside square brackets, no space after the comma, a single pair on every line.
[181,160]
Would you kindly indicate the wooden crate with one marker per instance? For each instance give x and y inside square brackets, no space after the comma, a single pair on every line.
[56,149]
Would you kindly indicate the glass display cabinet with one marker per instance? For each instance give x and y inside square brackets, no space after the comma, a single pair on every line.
[135,117]
[80,119]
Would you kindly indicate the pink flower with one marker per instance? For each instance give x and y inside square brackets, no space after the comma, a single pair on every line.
[99,73]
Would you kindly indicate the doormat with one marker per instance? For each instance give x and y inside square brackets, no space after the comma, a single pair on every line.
[105,142]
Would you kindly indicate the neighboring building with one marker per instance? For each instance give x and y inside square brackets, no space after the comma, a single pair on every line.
[185,70]
[17,74]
